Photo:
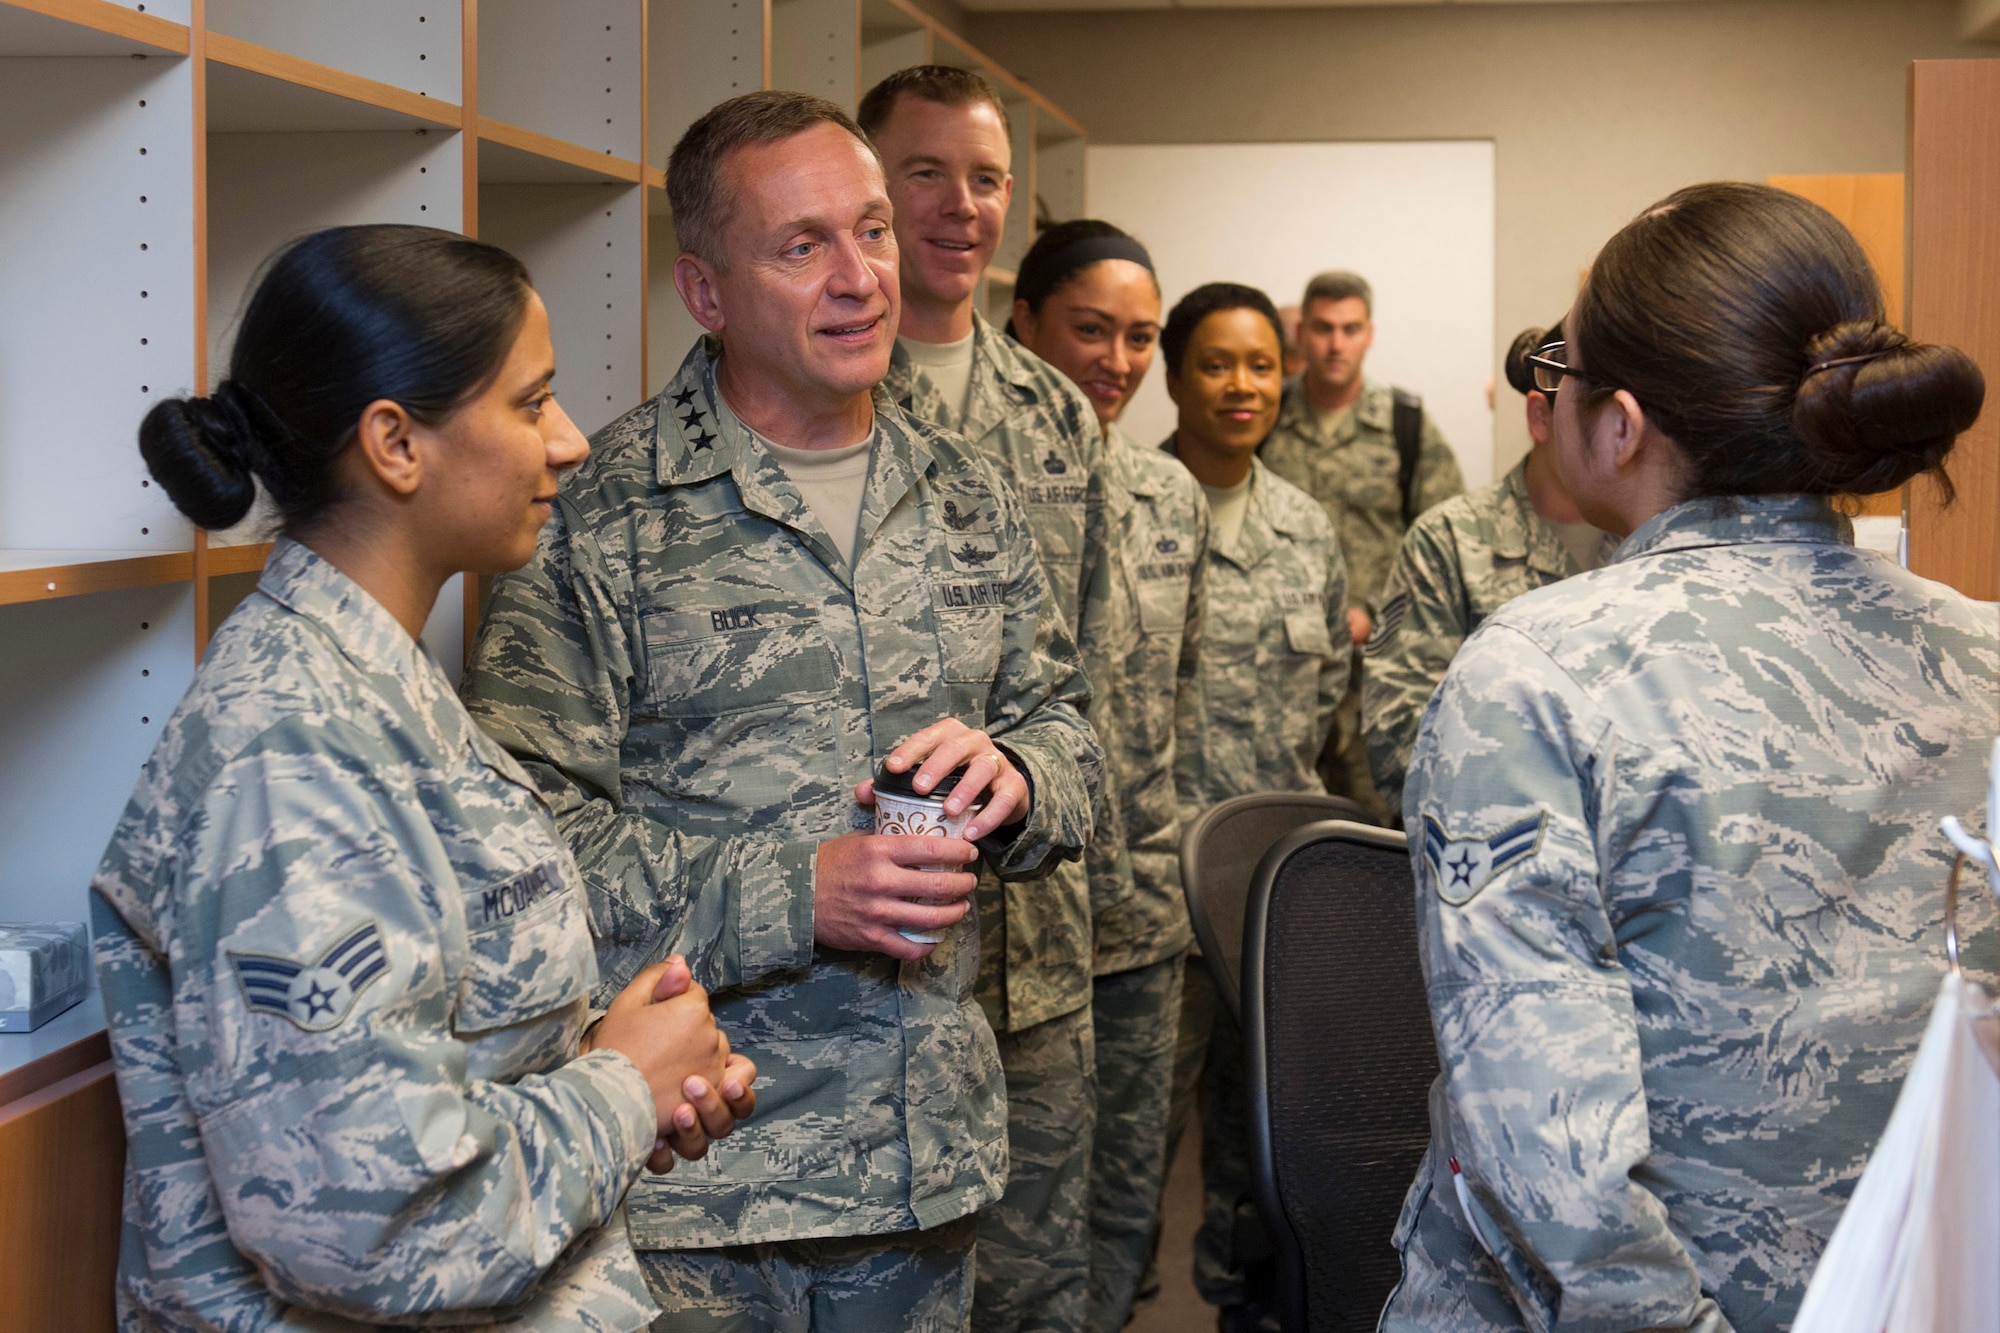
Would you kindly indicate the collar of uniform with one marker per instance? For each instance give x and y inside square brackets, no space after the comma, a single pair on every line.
[302,581]
[1735,520]
[1119,448]
[695,442]
[1510,537]
[913,391]
[1262,523]
[690,444]
[1375,409]
[1118,479]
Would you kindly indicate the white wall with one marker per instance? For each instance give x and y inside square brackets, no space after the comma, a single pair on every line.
[1415,219]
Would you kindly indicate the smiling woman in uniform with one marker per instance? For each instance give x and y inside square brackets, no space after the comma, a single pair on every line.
[345,954]
[1274,663]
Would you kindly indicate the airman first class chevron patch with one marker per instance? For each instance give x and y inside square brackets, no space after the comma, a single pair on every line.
[1461,867]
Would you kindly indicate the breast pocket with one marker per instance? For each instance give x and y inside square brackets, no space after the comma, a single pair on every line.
[1163,604]
[1306,633]
[971,645]
[737,668]
[529,948]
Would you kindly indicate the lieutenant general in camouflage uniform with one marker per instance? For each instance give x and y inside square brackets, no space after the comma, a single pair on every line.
[1461,562]
[1674,821]
[944,140]
[1274,663]
[712,652]
[344,951]
[1335,440]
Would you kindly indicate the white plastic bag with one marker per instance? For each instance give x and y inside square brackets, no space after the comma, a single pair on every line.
[1918,1249]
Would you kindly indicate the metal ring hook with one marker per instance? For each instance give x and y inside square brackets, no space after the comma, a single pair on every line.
[1951,913]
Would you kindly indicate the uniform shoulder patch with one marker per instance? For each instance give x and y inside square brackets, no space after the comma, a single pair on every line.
[318,995]
[1388,625]
[1461,867]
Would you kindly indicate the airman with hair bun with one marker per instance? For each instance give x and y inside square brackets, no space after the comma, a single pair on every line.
[1680,888]
[345,953]
[1461,561]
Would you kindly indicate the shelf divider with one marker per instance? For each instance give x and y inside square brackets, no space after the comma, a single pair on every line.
[602,165]
[113,21]
[45,582]
[238,559]
[254,59]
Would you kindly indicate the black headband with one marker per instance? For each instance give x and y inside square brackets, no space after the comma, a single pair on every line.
[1074,258]
[1091,249]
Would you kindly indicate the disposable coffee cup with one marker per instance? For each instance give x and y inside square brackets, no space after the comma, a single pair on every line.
[901,812]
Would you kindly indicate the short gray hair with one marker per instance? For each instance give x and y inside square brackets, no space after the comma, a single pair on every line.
[1337,284]
[695,188]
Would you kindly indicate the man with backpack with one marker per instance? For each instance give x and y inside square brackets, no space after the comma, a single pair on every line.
[1374,459]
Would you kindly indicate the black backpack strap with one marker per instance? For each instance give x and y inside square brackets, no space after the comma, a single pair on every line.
[1408,424]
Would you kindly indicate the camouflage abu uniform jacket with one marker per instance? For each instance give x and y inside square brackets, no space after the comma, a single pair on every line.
[346,960]
[1155,513]
[1274,654]
[1353,475]
[696,681]
[1461,562]
[1680,903]
[1034,427]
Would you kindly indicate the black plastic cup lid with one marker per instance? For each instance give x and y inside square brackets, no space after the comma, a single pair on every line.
[899,784]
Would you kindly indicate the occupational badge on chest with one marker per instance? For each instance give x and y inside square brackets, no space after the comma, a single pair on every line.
[316,995]
[1461,867]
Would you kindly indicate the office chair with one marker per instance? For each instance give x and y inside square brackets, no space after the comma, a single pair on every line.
[1341,1061]
[1219,853]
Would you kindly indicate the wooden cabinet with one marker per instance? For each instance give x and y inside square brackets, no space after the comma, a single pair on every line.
[62,1159]
[1954,297]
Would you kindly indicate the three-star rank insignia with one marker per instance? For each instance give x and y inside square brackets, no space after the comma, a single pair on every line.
[317,995]
[693,422]
[1461,867]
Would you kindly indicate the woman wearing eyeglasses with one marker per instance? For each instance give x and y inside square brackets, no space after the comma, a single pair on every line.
[1674,821]
[1461,562]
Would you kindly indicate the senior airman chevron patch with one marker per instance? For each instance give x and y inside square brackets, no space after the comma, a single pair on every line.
[1461,867]
[315,996]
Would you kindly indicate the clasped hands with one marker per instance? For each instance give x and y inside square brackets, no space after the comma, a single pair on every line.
[661,1022]
[863,885]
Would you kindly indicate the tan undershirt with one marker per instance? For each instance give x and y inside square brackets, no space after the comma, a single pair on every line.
[950,367]
[832,481]
[1330,423]
[1584,543]
[1229,507]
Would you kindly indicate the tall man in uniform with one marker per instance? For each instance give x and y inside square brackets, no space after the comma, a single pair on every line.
[768,583]
[1374,459]
[944,139]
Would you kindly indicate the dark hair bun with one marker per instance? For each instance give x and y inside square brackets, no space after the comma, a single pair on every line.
[1871,425]
[205,452]
[1519,373]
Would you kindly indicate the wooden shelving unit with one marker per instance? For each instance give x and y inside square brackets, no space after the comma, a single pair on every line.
[152,154]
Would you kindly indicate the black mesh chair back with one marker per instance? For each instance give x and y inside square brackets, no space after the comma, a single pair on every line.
[1341,1061]
[1219,854]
